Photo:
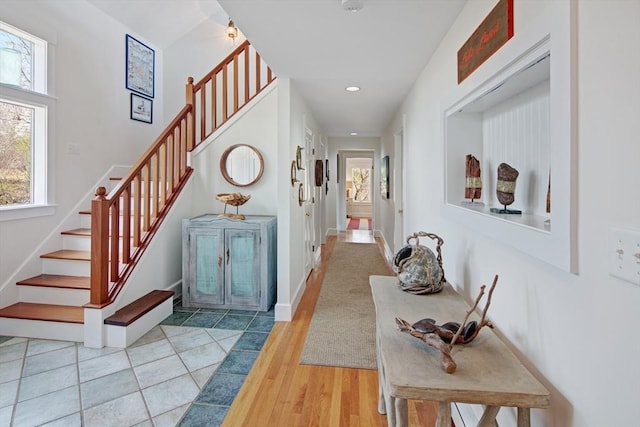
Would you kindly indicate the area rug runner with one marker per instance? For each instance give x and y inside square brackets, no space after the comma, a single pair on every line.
[342,330]
[359,224]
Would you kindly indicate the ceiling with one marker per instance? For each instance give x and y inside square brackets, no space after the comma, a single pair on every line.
[321,47]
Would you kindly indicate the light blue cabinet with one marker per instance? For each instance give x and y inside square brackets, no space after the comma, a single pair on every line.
[229,263]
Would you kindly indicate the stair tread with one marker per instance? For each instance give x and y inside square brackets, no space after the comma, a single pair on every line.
[46,312]
[69,254]
[136,309]
[58,281]
[78,232]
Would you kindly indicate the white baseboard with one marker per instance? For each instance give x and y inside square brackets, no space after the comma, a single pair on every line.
[41,329]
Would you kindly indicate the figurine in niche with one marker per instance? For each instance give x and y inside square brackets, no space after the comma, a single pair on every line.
[505,188]
[473,183]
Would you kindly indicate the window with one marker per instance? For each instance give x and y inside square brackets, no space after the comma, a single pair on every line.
[361,182]
[25,110]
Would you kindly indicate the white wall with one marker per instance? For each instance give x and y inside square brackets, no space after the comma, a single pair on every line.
[92,111]
[575,332]
[193,55]
[293,116]
[258,128]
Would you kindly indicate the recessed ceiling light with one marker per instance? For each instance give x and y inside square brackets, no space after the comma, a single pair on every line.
[352,88]
[353,133]
[352,5]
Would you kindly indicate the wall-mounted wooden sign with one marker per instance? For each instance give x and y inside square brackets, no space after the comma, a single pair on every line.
[490,35]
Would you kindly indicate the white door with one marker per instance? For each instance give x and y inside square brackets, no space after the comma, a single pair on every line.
[398,192]
[319,196]
[307,208]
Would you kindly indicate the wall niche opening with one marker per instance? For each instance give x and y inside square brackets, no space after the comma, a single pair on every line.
[519,116]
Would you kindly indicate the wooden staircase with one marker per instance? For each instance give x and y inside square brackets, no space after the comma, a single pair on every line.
[74,297]
[57,296]
[59,293]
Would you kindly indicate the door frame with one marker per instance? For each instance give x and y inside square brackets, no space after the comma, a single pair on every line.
[341,221]
[398,189]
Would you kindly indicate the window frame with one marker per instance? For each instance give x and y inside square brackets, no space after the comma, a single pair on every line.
[368,184]
[42,141]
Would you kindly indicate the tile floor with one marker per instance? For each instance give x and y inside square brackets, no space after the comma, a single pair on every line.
[184,372]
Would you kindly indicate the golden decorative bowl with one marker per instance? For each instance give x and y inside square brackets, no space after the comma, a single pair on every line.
[233,199]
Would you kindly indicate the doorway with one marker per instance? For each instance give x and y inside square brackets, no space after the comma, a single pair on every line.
[359,193]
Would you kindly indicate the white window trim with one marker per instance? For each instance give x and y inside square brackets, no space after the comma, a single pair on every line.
[44,111]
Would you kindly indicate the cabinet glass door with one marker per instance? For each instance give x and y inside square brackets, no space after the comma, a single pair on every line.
[207,266]
[243,267]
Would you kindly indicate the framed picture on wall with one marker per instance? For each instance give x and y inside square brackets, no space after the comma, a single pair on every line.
[140,67]
[141,108]
[384,177]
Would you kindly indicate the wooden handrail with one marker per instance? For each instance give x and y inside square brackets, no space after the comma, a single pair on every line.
[226,89]
[124,221]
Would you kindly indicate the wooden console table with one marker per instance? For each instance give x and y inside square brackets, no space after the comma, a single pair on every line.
[488,373]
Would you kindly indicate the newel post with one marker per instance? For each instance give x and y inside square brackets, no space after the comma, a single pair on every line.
[99,248]
[191,134]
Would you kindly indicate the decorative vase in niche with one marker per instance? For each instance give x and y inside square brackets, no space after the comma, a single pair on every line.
[506,188]
[473,182]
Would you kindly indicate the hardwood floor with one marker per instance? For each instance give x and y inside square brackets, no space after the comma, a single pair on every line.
[280,392]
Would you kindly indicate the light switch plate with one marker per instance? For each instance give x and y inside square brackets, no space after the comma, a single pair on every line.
[624,255]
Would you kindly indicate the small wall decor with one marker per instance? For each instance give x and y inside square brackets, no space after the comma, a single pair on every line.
[294,178]
[299,158]
[384,177]
[140,67]
[326,169]
[141,108]
[241,165]
[300,194]
[491,35]
[319,172]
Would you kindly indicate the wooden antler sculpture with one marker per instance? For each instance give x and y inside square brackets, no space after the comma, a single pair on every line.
[443,337]
[446,361]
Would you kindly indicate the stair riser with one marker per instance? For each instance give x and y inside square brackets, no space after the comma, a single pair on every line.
[66,267]
[79,243]
[124,336]
[42,329]
[48,295]
[76,243]
[85,222]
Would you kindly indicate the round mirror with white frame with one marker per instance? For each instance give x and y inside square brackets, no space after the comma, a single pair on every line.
[241,165]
